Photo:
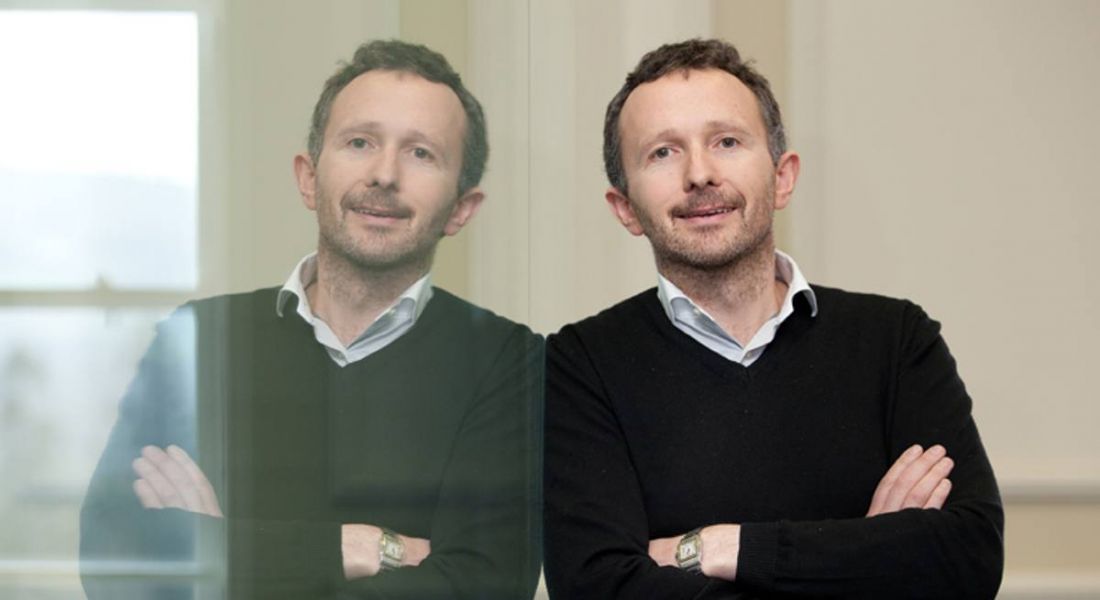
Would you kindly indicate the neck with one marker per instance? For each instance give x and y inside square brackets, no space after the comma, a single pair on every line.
[349,297]
[741,296]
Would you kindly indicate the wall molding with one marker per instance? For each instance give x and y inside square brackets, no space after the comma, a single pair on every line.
[1050,585]
[1050,492]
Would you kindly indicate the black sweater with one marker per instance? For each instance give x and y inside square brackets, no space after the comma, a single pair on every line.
[434,436]
[650,435]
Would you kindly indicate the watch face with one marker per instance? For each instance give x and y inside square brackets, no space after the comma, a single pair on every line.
[687,549]
[392,547]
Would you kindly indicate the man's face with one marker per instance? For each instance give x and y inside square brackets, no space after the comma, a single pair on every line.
[385,186]
[702,185]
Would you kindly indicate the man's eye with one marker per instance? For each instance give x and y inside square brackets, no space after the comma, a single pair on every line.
[358,143]
[662,152]
[728,142]
[422,154]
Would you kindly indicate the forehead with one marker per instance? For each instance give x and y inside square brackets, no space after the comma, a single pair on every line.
[399,101]
[687,100]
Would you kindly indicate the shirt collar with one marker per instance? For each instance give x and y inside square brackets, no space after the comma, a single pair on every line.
[786,270]
[305,274]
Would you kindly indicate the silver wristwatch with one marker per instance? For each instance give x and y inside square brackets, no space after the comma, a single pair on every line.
[689,552]
[391,550]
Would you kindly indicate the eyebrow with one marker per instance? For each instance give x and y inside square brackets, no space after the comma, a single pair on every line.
[716,125]
[360,127]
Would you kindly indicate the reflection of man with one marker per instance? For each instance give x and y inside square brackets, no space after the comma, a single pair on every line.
[737,432]
[364,434]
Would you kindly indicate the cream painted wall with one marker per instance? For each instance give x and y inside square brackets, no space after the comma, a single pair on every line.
[952,163]
[946,150]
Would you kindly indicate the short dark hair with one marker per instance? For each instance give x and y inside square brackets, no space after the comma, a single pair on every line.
[395,55]
[694,54]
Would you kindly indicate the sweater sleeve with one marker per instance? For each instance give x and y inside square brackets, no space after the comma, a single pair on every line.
[956,552]
[127,551]
[597,533]
[485,530]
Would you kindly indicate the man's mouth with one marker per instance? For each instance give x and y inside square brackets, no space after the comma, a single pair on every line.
[707,207]
[700,212]
[376,206]
[380,212]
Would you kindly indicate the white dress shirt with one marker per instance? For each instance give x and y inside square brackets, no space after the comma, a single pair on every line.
[394,322]
[694,320]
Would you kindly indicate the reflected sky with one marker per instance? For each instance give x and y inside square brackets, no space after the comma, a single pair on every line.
[99,151]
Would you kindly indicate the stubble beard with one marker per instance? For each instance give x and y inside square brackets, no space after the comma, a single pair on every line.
[700,251]
[386,251]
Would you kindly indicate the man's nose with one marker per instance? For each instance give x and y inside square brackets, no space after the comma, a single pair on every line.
[700,170]
[384,170]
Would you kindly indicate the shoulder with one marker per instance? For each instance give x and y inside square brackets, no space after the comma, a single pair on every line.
[871,314]
[633,323]
[474,325]
[622,319]
[217,316]
[845,300]
[259,301]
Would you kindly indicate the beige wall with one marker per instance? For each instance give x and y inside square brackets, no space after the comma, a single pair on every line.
[946,149]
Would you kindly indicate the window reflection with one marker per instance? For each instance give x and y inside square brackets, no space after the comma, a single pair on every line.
[98,156]
[98,192]
[62,371]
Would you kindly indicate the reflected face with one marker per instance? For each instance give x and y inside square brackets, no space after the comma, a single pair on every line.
[385,186]
[702,184]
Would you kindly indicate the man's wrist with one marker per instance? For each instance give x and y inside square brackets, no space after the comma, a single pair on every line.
[721,545]
[359,547]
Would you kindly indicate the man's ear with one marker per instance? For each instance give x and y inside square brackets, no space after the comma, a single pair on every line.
[622,209]
[464,209]
[786,176]
[306,175]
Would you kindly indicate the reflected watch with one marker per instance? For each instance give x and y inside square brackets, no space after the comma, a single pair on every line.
[391,550]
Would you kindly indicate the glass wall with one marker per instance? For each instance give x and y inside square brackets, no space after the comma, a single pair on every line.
[147,155]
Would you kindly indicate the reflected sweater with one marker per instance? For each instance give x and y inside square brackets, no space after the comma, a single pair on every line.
[434,436]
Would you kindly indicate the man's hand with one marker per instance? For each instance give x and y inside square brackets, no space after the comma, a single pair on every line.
[663,550]
[360,546]
[918,479]
[170,479]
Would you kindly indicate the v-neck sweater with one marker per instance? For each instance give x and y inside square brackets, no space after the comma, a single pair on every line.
[434,436]
[649,435]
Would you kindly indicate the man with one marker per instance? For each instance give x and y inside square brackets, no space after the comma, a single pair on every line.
[737,432]
[356,432]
